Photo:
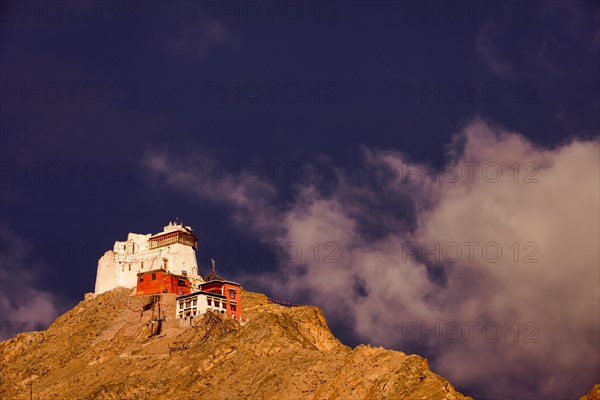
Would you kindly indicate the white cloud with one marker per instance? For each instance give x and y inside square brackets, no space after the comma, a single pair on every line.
[381,290]
[203,175]
[23,305]
[196,34]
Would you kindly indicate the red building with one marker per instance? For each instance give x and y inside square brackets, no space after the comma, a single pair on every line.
[161,281]
[231,290]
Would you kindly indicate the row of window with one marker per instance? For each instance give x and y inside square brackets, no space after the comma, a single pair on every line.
[208,301]
[154,278]
[178,237]
[188,303]
[217,303]
[164,241]
[193,314]
[129,266]
[192,303]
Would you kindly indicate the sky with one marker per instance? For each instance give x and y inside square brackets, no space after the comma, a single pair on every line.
[427,173]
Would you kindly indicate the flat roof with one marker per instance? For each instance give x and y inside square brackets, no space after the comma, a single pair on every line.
[174,229]
[164,271]
[219,280]
[201,292]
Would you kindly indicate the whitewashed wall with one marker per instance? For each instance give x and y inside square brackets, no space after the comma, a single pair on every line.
[119,267]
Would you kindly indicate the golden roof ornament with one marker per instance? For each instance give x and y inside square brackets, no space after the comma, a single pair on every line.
[213,276]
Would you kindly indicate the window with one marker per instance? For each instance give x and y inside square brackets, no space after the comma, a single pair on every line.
[194,303]
[208,302]
[233,307]
[153,276]
[130,267]
[180,282]
[224,304]
[232,293]
[181,304]
[217,303]
[142,265]
[141,279]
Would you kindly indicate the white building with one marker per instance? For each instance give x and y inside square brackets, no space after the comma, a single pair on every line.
[174,249]
[195,304]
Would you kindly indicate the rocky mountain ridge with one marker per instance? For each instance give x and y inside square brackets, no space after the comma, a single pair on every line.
[117,346]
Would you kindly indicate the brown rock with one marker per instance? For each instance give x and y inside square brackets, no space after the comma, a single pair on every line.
[594,394]
[107,347]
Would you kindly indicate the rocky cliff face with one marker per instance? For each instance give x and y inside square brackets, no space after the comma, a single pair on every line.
[594,394]
[108,348]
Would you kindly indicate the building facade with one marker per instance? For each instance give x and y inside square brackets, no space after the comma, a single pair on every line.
[173,249]
[231,293]
[161,281]
[198,303]
[215,294]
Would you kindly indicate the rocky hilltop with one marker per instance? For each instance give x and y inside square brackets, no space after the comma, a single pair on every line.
[594,394]
[108,347]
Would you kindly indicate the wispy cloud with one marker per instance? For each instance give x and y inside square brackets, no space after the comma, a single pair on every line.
[195,34]
[541,213]
[24,305]
[249,201]
[526,48]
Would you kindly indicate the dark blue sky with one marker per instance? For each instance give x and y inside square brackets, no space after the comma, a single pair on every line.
[88,92]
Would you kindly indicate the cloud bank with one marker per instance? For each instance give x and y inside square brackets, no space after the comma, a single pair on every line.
[489,265]
[23,305]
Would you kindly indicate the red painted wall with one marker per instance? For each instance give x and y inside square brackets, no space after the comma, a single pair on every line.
[164,282]
[215,287]
[223,289]
[237,298]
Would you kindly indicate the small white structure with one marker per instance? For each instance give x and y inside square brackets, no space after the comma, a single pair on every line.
[173,249]
[195,304]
